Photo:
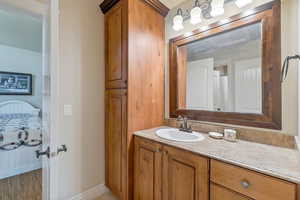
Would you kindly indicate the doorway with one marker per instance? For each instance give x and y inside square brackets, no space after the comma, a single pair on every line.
[27,104]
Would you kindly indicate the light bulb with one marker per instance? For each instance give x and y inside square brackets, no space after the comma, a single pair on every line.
[217,8]
[178,23]
[196,15]
[242,3]
[217,12]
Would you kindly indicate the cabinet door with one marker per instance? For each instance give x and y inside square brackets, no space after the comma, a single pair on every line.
[185,175]
[147,170]
[115,143]
[220,193]
[115,72]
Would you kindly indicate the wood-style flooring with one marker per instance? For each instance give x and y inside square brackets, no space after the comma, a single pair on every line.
[22,187]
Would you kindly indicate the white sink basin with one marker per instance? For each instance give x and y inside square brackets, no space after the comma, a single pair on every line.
[179,136]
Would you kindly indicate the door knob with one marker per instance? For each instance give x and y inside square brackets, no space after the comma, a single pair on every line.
[245,184]
[63,148]
[43,153]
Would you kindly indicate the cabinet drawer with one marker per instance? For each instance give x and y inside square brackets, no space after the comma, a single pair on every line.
[220,193]
[250,183]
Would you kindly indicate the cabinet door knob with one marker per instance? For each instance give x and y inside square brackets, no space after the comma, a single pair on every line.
[245,184]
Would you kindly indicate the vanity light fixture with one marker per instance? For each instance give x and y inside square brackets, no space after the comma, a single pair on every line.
[242,3]
[178,21]
[196,14]
[203,9]
[217,8]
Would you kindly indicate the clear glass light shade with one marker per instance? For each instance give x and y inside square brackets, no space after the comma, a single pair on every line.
[217,8]
[196,15]
[178,22]
[242,3]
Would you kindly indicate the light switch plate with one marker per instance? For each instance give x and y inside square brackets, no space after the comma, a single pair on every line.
[68,110]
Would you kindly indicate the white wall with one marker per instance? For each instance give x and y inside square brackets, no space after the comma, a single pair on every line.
[82,85]
[299,70]
[290,38]
[23,61]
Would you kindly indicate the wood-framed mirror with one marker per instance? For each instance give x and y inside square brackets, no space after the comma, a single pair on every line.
[229,72]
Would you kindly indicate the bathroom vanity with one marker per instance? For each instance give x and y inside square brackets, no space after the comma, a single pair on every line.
[227,72]
[213,169]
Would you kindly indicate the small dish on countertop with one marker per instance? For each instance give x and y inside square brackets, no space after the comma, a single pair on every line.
[216,135]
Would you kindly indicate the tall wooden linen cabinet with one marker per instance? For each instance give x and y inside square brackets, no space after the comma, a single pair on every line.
[134,36]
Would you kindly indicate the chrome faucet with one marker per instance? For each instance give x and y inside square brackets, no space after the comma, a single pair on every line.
[184,126]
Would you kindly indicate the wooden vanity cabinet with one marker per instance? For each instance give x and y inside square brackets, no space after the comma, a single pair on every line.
[163,172]
[166,173]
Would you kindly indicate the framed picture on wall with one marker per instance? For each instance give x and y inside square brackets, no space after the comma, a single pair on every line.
[12,83]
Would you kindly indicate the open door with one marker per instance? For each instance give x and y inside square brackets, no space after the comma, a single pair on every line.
[199,84]
[50,99]
[248,87]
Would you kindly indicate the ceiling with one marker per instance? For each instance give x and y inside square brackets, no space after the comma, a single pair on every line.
[172,3]
[227,44]
[20,30]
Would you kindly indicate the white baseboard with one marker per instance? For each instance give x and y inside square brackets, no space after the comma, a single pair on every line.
[91,193]
[297,139]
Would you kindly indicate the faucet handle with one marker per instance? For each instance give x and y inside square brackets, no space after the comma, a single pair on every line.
[179,118]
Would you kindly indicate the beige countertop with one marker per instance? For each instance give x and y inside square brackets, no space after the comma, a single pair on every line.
[274,161]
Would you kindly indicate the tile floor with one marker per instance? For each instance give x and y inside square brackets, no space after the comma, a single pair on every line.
[107,196]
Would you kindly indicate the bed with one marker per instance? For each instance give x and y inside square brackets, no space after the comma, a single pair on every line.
[20,137]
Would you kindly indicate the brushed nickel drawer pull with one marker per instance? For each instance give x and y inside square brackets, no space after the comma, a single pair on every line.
[245,184]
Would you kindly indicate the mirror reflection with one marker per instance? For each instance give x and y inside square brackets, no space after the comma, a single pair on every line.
[222,72]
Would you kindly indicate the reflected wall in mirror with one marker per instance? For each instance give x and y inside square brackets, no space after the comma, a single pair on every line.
[229,71]
[223,72]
